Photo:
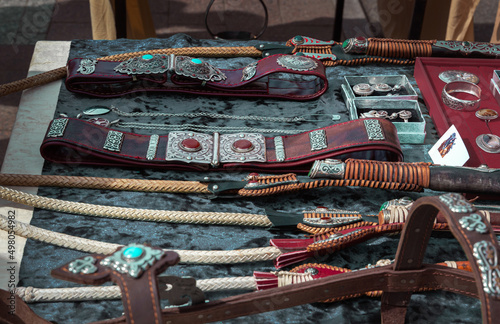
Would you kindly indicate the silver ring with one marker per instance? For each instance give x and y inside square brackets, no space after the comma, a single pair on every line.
[362,89]
[461,87]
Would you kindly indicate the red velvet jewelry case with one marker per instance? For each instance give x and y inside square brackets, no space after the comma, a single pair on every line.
[427,72]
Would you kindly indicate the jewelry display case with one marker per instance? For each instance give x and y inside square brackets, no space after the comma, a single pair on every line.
[394,105]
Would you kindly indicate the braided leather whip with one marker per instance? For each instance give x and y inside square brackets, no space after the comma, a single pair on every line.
[60,73]
[26,180]
[134,213]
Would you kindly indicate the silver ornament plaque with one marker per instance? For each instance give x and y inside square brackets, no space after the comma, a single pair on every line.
[297,63]
[146,64]
[87,66]
[197,69]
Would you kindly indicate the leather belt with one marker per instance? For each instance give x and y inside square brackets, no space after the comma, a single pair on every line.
[75,141]
[279,76]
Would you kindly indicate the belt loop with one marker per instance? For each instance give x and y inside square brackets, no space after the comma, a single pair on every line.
[215,157]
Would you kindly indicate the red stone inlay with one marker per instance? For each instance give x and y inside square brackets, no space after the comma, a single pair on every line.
[190,144]
[243,145]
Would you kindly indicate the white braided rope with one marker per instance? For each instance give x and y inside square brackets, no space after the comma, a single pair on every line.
[37,295]
[184,217]
[92,246]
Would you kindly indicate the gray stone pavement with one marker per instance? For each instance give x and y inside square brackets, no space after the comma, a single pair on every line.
[24,22]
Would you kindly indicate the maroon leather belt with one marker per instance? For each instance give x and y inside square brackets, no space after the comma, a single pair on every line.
[75,141]
[279,76]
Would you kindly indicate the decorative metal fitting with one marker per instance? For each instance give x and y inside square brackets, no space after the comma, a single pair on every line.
[297,63]
[197,69]
[146,64]
[176,153]
[132,259]
[57,127]
[152,147]
[487,260]
[253,148]
[374,130]
[457,203]
[249,71]
[469,47]
[309,41]
[357,45]
[85,265]
[114,141]
[328,168]
[473,222]
[87,66]
[318,140]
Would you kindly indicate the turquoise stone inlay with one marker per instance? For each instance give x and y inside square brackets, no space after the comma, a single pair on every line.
[298,39]
[147,57]
[196,61]
[132,252]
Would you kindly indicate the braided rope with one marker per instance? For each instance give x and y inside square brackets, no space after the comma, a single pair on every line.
[151,215]
[103,183]
[39,295]
[92,246]
[59,73]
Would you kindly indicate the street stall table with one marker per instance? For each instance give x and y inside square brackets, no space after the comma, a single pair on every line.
[40,105]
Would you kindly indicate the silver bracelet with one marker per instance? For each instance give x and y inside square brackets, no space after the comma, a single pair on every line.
[447,95]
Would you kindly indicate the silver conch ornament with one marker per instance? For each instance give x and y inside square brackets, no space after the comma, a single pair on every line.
[297,63]
[146,64]
[197,69]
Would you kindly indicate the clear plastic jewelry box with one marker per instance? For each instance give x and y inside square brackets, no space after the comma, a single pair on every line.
[411,132]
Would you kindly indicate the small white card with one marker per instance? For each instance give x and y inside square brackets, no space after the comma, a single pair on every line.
[449,149]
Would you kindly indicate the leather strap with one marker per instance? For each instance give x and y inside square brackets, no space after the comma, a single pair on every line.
[136,274]
[277,76]
[475,235]
[74,141]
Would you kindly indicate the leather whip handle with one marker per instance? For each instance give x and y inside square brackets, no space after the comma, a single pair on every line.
[474,234]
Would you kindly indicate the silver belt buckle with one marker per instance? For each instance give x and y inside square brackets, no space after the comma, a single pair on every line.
[192,147]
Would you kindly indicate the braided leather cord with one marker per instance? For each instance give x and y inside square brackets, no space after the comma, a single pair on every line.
[38,295]
[325,230]
[27,180]
[134,213]
[399,48]
[60,73]
[92,246]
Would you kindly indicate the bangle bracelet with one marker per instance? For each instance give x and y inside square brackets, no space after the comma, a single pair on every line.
[461,87]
